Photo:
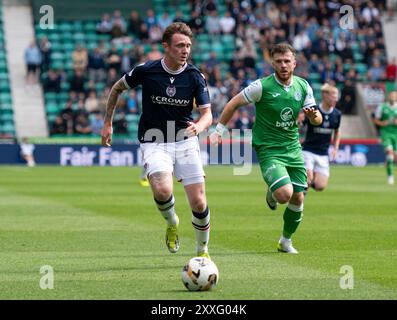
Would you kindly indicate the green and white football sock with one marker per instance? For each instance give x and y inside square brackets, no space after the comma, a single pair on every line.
[167,210]
[293,215]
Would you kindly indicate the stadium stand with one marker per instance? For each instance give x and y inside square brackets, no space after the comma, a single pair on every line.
[91,48]
[7,128]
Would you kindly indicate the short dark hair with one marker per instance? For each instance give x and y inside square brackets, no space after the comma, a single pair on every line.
[176,27]
[283,47]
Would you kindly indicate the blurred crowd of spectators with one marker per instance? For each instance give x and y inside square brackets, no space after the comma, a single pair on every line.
[312,27]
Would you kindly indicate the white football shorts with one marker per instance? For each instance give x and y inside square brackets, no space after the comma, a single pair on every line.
[180,158]
[316,163]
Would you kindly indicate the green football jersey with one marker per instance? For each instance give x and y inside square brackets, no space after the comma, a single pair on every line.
[387,112]
[277,109]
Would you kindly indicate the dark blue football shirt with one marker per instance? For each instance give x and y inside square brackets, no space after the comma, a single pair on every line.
[318,138]
[167,98]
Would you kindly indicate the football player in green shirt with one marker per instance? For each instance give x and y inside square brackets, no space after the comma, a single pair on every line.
[278,99]
[386,119]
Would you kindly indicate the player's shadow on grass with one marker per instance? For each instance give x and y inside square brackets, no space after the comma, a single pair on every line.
[189,292]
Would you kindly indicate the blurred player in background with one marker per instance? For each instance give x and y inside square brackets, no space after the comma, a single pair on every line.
[167,133]
[27,150]
[143,180]
[386,119]
[318,139]
[278,99]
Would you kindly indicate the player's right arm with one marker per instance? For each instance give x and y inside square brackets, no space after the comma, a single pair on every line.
[236,102]
[378,117]
[128,81]
[111,105]
[250,94]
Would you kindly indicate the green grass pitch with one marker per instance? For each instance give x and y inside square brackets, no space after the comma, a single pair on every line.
[104,238]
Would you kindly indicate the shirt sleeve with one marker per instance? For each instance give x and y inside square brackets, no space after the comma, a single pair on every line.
[309,99]
[378,112]
[201,94]
[134,77]
[253,93]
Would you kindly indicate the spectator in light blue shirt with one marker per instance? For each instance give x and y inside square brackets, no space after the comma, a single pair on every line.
[33,61]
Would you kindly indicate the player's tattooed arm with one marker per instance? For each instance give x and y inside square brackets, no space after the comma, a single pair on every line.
[107,130]
[114,94]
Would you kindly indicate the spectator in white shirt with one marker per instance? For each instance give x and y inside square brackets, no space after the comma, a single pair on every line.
[227,23]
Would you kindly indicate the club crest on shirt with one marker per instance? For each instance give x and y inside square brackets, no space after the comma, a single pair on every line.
[298,95]
[286,114]
[171,90]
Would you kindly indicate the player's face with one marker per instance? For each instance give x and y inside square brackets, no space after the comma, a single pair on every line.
[178,50]
[331,97]
[393,97]
[284,65]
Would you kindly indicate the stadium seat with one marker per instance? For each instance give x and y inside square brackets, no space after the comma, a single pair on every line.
[361,68]
[50,96]
[57,56]
[51,117]
[133,118]
[202,37]
[5,97]
[6,107]
[56,46]
[77,26]
[52,108]
[8,128]
[91,37]
[65,27]
[4,86]
[314,77]
[358,56]
[90,27]
[6,117]
[4,75]
[65,86]
[56,65]
[52,37]
[79,37]
[66,37]
[68,46]
[316,86]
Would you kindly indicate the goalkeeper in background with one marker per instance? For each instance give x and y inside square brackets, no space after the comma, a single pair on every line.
[278,99]
[386,119]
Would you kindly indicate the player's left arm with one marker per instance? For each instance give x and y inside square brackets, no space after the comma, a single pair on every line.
[314,115]
[337,136]
[202,124]
[201,99]
[309,108]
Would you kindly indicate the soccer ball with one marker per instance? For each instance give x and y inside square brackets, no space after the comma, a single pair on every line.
[200,274]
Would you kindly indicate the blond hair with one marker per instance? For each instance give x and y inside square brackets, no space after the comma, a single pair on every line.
[327,88]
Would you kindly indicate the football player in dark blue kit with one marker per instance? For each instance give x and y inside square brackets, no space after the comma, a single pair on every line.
[318,139]
[167,133]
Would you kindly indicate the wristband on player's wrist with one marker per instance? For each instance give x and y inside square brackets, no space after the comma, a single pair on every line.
[220,129]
